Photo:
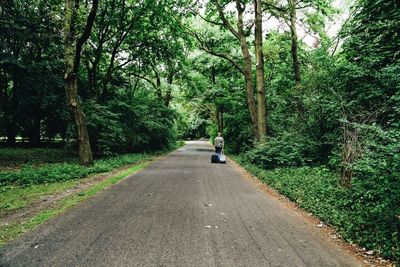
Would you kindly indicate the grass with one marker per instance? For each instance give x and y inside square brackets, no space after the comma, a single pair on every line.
[9,232]
[56,172]
[17,197]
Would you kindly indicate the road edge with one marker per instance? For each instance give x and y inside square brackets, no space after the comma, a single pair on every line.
[329,232]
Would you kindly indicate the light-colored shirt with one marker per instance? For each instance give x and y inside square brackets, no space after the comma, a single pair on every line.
[219,141]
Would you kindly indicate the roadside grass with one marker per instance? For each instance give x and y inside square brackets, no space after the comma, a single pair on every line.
[10,232]
[356,215]
[56,172]
[19,188]
[17,197]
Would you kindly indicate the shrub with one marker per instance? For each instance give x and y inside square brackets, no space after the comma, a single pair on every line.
[376,186]
[130,125]
[288,150]
[105,131]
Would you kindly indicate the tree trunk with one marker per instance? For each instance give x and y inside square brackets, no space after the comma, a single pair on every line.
[85,152]
[10,110]
[158,88]
[218,120]
[72,54]
[11,131]
[293,31]
[247,71]
[168,94]
[34,137]
[222,121]
[261,107]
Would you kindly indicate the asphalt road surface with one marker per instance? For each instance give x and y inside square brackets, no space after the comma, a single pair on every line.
[180,211]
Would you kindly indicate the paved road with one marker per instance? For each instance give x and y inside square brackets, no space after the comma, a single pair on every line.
[180,211]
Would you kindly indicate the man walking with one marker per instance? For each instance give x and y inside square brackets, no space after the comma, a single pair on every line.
[219,144]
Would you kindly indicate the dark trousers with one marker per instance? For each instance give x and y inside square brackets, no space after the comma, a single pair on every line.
[218,150]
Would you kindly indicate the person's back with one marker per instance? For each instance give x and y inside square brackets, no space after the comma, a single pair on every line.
[219,144]
[219,141]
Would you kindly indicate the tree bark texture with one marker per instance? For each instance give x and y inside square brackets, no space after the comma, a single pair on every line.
[221,121]
[293,31]
[10,111]
[11,131]
[261,106]
[72,54]
[168,94]
[247,70]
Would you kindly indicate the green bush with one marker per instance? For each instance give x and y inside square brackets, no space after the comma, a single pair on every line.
[288,150]
[130,125]
[105,131]
[376,185]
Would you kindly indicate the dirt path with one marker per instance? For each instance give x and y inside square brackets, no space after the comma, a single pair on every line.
[179,211]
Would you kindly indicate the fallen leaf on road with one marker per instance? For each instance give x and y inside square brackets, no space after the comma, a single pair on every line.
[207,204]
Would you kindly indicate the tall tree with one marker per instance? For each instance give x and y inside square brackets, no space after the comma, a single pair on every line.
[258,44]
[293,33]
[72,55]
[240,33]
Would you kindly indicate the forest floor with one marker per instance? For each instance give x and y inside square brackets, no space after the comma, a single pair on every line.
[180,211]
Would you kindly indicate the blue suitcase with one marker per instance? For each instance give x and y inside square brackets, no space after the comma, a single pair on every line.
[214,158]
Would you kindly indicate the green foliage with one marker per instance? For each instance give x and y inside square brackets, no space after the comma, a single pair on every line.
[147,124]
[377,186]
[49,173]
[31,70]
[374,40]
[289,150]
[366,214]
[105,129]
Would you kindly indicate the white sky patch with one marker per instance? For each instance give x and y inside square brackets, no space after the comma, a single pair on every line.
[332,28]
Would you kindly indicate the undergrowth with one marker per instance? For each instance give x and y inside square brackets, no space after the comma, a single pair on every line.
[32,174]
[11,158]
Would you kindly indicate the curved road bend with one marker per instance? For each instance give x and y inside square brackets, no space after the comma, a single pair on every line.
[180,211]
